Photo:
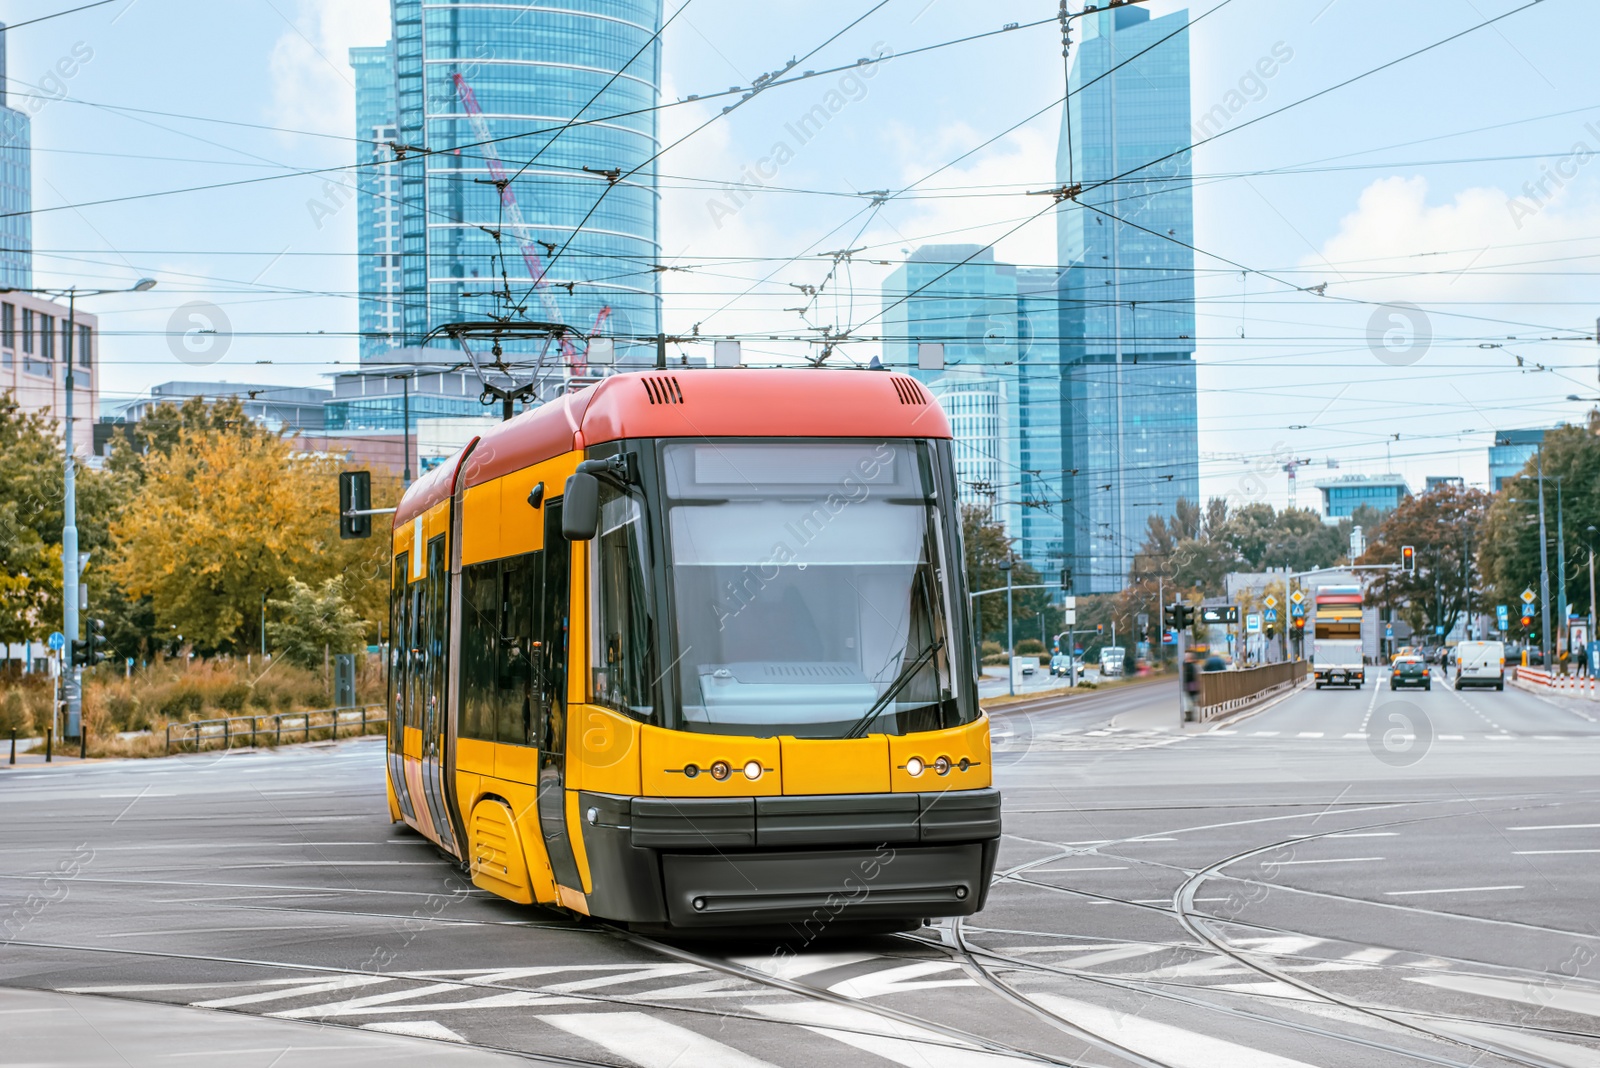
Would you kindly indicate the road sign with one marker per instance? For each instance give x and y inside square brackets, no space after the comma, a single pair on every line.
[1388,633]
[1502,616]
[1528,597]
[58,641]
[1219,615]
[1069,616]
[1271,615]
[1438,628]
[1272,602]
[1252,623]
[1297,610]
[1297,597]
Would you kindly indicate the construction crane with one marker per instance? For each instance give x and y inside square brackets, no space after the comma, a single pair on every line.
[1290,467]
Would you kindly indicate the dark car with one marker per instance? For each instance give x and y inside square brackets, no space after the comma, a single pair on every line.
[1410,671]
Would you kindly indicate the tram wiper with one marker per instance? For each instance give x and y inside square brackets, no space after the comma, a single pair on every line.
[907,673]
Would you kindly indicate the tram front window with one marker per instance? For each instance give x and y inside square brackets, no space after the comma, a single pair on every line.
[808,589]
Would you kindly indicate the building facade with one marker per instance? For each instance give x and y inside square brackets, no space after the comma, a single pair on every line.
[377,202]
[35,345]
[274,407]
[1510,453]
[958,296]
[1131,426]
[531,95]
[1040,400]
[1342,496]
[16,188]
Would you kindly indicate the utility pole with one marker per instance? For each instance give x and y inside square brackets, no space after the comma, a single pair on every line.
[1561,564]
[1592,532]
[405,410]
[1011,645]
[70,688]
[1544,570]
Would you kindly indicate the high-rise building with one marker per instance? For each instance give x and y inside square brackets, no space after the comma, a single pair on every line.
[1127,296]
[16,188]
[377,202]
[540,126]
[1045,508]
[1343,495]
[958,296]
[1510,453]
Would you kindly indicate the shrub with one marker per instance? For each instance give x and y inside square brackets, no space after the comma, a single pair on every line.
[992,649]
[1030,647]
[14,713]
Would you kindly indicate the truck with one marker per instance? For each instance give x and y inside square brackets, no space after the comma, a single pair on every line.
[1336,658]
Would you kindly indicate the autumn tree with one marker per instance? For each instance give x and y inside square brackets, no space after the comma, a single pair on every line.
[313,622]
[1442,526]
[987,546]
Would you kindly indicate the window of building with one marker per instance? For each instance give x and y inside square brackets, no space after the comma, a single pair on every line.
[85,346]
[47,336]
[8,325]
[27,330]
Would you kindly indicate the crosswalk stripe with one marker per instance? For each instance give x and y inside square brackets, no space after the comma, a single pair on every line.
[1546,995]
[1553,1052]
[902,1043]
[1163,1042]
[901,979]
[415,1029]
[650,1042]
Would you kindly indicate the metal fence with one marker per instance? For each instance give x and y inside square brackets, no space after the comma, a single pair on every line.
[299,726]
[1222,692]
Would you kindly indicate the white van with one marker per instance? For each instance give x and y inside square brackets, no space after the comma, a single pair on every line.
[1480,664]
[1111,659]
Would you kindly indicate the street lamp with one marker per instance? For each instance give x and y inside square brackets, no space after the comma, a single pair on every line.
[69,498]
[1011,645]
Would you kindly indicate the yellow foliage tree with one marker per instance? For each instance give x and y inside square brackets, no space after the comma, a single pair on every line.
[226,521]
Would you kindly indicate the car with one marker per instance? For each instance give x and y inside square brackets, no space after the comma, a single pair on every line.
[1480,664]
[1410,671]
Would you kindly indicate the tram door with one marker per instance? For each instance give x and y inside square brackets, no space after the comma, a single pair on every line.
[400,646]
[434,633]
[551,632]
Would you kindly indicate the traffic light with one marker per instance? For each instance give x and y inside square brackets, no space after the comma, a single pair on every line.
[1408,559]
[1179,616]
[1527,621]
[90,650]
[1066,580]
[1272,631]
[355,495]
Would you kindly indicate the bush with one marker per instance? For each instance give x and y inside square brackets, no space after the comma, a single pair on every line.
[14,714]
[1030,647]
[992,649]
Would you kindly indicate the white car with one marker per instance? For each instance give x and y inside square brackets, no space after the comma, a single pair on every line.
[1480,664]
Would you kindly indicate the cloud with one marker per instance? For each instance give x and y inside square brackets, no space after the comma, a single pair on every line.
[313,87]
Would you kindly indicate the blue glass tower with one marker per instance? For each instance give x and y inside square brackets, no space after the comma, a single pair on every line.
[972,311]
[16,189]
[1131,426]
[501,93]
[1039,408]
[377,202]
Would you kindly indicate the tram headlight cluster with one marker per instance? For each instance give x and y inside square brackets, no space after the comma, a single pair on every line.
[720,770]
[941,766]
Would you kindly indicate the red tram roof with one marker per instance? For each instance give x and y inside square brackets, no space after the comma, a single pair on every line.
[711,403]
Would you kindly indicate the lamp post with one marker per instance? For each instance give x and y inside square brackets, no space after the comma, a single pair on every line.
[1593,533]
[1011,645]
[1544,571]
[70,564]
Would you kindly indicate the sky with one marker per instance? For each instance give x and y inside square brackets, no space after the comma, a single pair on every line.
[1396,250]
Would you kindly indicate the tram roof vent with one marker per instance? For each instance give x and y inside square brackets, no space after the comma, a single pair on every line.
[909,390]
[663,389]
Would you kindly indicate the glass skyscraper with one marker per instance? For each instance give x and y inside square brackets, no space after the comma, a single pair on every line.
[972,310]
[1131,428]
[377,202]
[16,188]
[1039,409]
[499,96]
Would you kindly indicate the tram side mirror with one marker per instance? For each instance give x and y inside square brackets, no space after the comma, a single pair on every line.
[580,508]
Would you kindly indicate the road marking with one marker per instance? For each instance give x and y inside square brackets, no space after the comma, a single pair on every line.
[1335,860]
[1355,734]
[1498,737]
[903,1043]
[300,988]
[780,966]
[1365,834]
[138,795]
[416,1029]
[1449,890]
[1372,955]
[1120,867]
[1547,992]
[1371,704]
[1556,827]
[650,1042]
[1452,737]
[1548,852]
[1264,734]
[1310,734]
[899,980]
[1159,1041]
[1224,731]
[1551,1052]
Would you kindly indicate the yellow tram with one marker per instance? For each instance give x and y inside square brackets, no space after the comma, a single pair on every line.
[690,650]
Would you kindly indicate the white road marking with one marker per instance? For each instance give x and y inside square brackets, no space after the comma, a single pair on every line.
[781,966]
[1548,852]
[645,1040]
[903,1043]
[1547,992]
[1310,734]
[1452,737]
[1365,834]
[1371,955]
[900,980]
[1264,734]
[415,1029]
[1355,734]
[1114,867]
[1449,890]
[1334,860]
[1556,827]
[1159,1041]
[1371,704]
[300,988]
[1547,1050]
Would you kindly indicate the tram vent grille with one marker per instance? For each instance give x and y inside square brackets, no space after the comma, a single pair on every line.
[810,671]
[909,390]
[663,389]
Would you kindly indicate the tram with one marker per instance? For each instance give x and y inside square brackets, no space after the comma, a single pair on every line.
[689,650]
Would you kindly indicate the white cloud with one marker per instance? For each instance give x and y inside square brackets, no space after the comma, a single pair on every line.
[313,86]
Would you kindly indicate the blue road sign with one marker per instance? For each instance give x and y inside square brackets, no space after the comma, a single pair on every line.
[1271,615]
[58,641]
[1388,633]
[1502,617]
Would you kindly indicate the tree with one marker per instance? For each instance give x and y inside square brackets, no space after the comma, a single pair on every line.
[228,517]
[986,546]
[1442,526]
[314,622]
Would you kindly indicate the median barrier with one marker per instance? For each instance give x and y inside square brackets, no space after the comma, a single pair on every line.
[229,731]
[1540,680]
[1225,692]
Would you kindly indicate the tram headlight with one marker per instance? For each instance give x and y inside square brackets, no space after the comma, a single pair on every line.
[753,770]
[720,770]
[942,765]
[914,767]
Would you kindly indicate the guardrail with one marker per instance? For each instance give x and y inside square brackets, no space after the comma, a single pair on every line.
[1556,682]
[231,729]
[1222,692]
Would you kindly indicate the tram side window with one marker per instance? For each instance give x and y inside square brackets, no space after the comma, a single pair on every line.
[519,594]
[437,624]
[623,649]
[480,648]
[398,640]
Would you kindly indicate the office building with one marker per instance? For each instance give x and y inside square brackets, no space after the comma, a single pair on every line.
[16,187]
[1342,496]
[1127,297]
[377,202]
[1045,507]
[34,347]
[576,213]
[958,296]
[274,407]
[1510,453]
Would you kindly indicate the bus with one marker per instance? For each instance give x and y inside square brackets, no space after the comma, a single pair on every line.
[688,650]
[1336,649]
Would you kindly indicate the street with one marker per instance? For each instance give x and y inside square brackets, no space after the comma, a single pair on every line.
[1346,878]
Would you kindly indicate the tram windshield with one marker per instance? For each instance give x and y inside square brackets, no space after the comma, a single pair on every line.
[808,582]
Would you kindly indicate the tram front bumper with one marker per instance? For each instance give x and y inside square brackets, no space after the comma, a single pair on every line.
[709,862]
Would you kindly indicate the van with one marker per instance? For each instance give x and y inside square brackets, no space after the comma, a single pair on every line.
[1111,659]
[1480,664]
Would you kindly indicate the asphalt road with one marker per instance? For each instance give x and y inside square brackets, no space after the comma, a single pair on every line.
[1347,878]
